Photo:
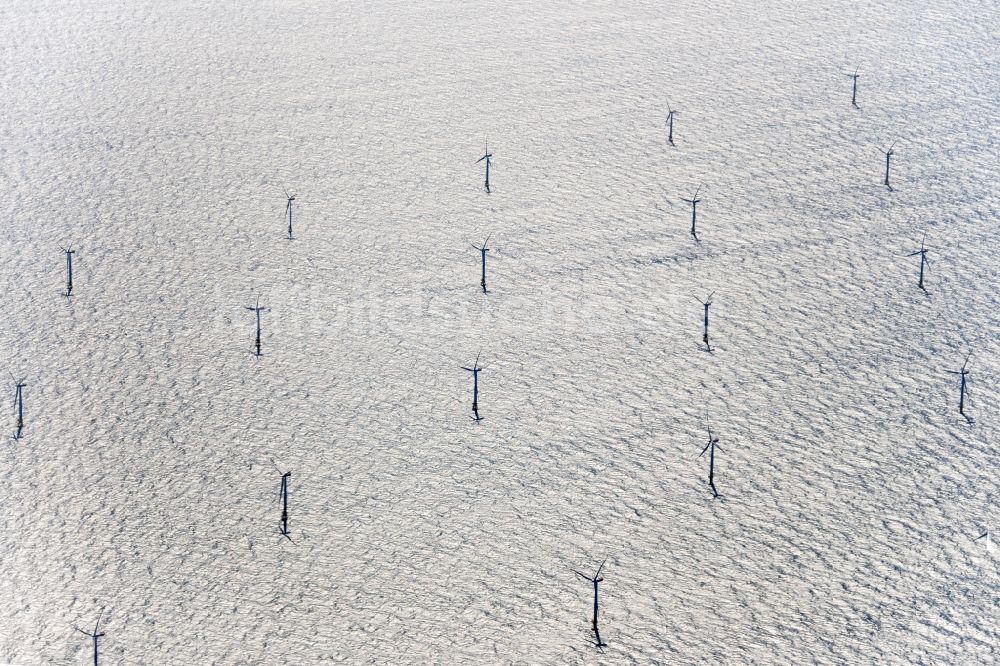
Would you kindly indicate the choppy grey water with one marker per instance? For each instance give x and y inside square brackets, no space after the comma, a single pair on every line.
[157,138]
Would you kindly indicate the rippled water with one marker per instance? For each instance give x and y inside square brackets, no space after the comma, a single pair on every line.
[157,138]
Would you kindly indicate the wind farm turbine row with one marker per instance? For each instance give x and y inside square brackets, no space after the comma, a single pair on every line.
[711,447]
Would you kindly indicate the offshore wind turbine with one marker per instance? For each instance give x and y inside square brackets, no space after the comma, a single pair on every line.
[94,635]
[488,156]
[923,260]
[288,210]
[596,580]
[854,89]
[713,443]
[888,156]
[670,124]
[19,407]
[482,251]
[986,535]
[475,370]
[69,270]
[284,505]
[257,310]
[963,389]
[694,211]
[706,303]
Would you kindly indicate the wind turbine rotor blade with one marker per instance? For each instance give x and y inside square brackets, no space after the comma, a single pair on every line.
[600,568]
